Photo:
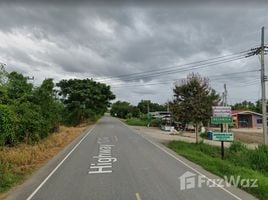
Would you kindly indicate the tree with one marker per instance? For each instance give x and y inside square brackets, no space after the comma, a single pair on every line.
[193,101]
[84,99]
[143,106]
[245,105]
[121,109]
[50,107]
[27,114]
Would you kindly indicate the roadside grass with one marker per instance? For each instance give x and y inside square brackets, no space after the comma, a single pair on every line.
[239,161]
[136,122]
[142,122]
[16,163]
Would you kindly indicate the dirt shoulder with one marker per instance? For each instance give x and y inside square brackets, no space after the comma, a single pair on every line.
[164,137]
[21,161]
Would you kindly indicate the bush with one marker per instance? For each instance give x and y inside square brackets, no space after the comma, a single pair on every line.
[209,158]
[204,135]
[155,122]
[259,158]
[237,146]
[7,132]
[136,122]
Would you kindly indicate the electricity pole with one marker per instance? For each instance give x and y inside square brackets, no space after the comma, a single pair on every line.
[263,79]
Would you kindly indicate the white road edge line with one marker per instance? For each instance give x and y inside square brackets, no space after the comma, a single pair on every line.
[55,169]
[185,164]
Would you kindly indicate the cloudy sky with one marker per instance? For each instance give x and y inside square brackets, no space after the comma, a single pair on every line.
[138,49]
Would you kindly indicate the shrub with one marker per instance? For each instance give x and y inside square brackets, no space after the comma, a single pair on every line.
[237,146]
[155,122]
[259,158]
[136,122]
[7,132]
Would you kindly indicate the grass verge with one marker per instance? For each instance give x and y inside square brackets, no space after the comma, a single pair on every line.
[16,163]
[136,122]
[236,163]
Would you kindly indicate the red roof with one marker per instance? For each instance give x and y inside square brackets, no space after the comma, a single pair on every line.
[234,112]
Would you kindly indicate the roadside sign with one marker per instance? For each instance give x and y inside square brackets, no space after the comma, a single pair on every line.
[221,111]
[223,136]
[221,120]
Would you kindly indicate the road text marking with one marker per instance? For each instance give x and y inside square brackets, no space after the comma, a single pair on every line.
[138,196]
[104,159]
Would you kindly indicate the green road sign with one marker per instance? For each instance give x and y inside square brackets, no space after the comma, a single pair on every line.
[223,136]
[221,120]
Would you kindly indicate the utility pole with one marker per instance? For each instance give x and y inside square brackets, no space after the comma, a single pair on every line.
[263,79]
[223,126]
[148,108]
[225,104]
[225,95]
[148,113]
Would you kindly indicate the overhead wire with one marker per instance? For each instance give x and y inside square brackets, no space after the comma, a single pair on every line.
[215,77]
[175,68]
[205,65]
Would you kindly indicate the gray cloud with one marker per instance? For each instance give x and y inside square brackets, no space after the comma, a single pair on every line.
[84,40]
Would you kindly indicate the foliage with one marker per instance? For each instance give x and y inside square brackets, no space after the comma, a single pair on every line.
[28,114]
[155,122]
[233,165]
[143,106]
[136,122]
[246,105]
[237,146]
[7,130]
[84,99]
[121,109]
[193,100]
[259,158]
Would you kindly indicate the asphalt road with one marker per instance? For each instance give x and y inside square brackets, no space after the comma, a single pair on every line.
[112,162]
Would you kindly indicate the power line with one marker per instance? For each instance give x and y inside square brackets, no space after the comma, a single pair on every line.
[215,77]
[180,70]
[174,68]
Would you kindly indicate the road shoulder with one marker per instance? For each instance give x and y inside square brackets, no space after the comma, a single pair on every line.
[33,181]
[161,145]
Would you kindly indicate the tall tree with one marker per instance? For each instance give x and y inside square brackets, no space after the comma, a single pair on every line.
[121,109]
[84,99]
[245,105]
[193,101]
[143,106]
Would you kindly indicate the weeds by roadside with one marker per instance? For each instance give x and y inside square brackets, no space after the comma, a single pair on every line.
[18,162]
[239,161]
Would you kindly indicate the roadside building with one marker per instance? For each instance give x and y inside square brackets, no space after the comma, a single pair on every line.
[246,119]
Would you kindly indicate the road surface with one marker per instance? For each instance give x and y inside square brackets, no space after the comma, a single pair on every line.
[112,162]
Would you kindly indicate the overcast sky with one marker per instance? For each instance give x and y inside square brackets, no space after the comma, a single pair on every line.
[106,41]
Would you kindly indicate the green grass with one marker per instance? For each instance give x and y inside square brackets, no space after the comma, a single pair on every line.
[136,122]
[239,161]
[8,180]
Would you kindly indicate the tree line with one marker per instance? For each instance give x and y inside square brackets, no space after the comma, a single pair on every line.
[123,109]
[29,114]
[248,105]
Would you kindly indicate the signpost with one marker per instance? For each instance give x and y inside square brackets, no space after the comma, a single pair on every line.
[221,111]
[222,115]
[223,136]
[221,120]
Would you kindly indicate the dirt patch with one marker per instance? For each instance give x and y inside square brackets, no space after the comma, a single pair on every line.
[250,138]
